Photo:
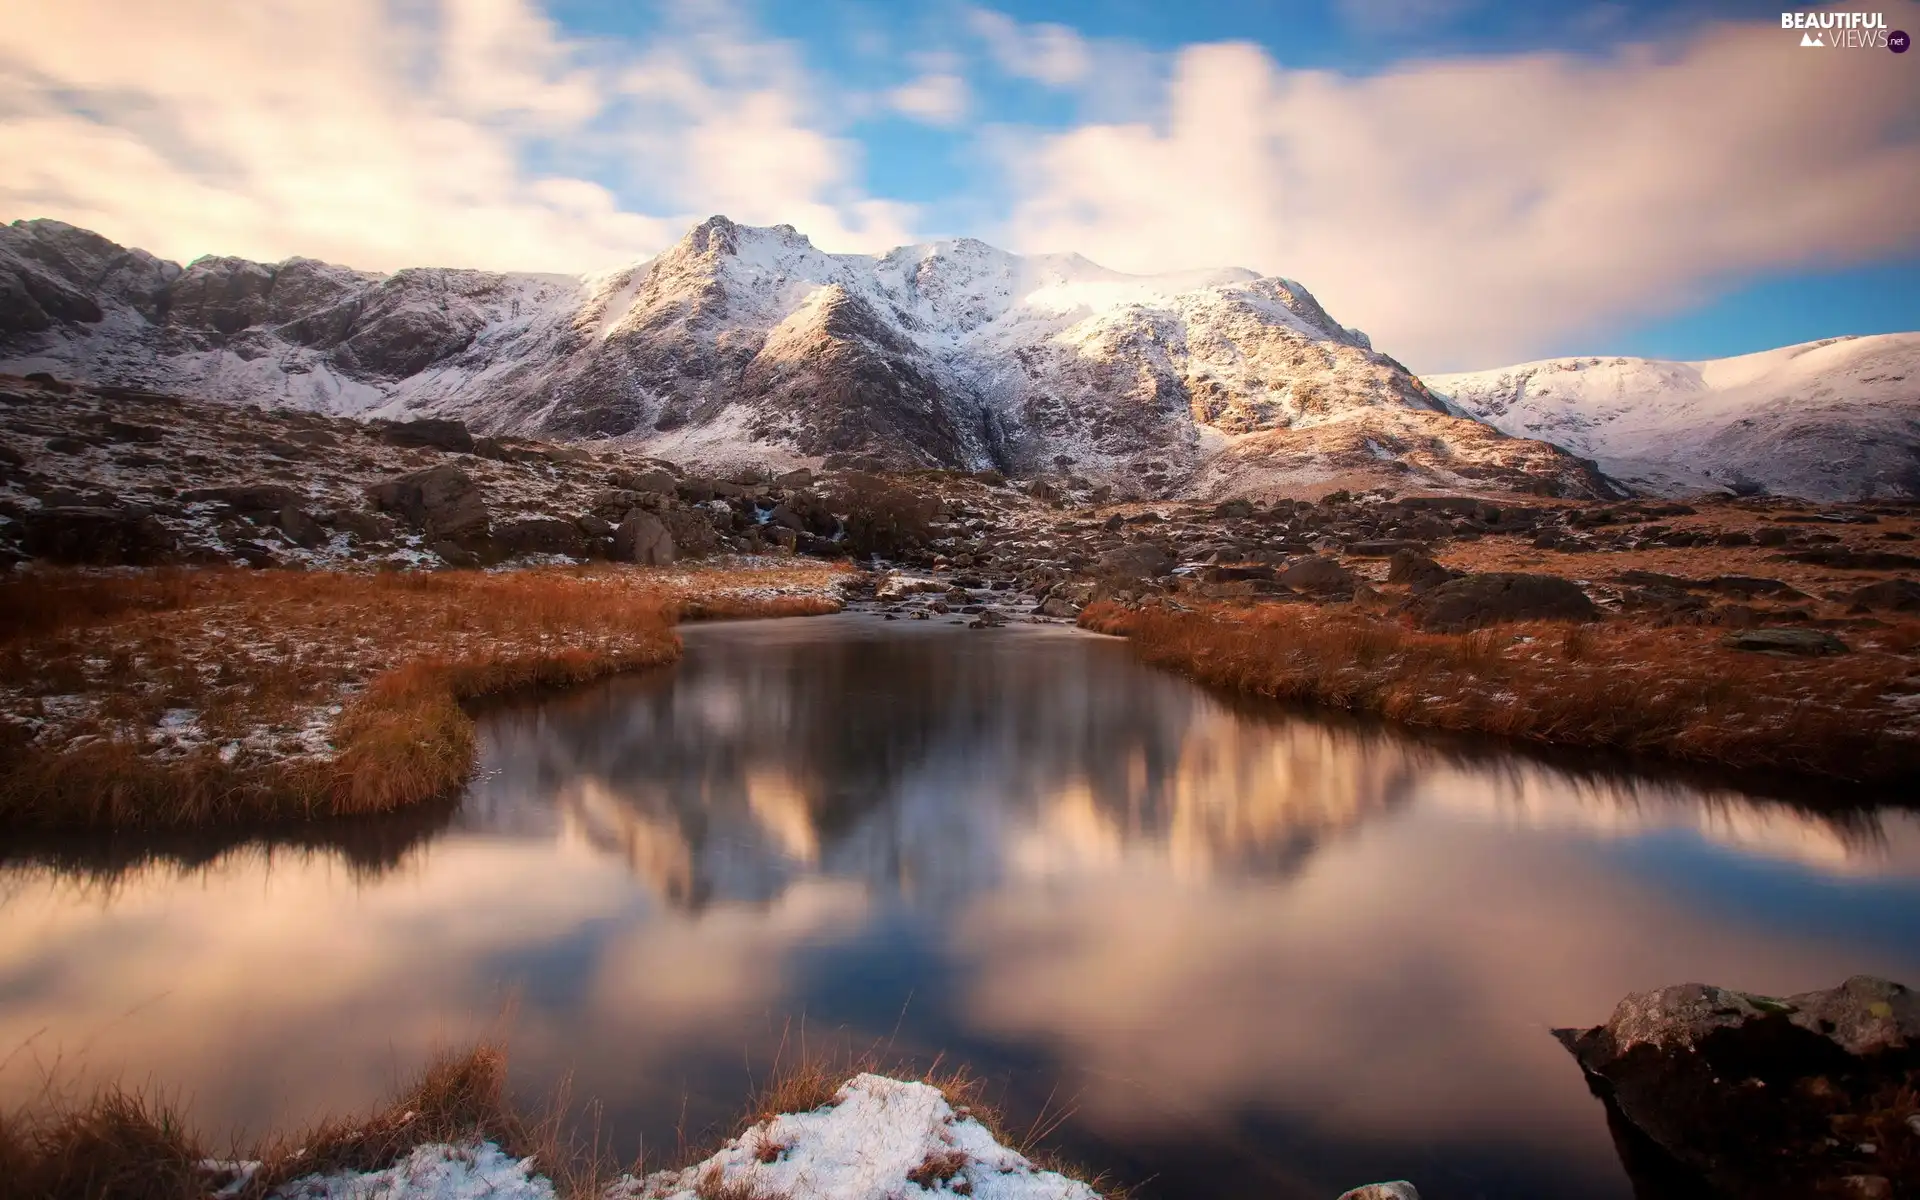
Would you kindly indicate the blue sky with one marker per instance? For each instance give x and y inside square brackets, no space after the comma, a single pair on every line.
[1472,182]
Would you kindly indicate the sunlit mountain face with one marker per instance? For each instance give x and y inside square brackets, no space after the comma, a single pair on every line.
[1248,949]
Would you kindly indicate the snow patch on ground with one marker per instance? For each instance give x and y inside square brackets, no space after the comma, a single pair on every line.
[880,1139]
[877,1134]
[431,1172]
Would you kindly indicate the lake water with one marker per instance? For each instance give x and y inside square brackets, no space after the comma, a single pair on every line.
[1241,951]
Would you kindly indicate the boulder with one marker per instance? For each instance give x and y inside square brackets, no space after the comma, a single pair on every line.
[643,538]
[301,528]
[1385,548]
[1743,1095]
[1139,560]
[86,535]
[643,481]
[540,535]
[1654,579]
[441,501]
[1237,573]
[786,517]
[1399,1189]
[801,478]
[1807,642]
[435,432]
[1317,574]
[1893,595]
[1746,587]
[454,554]
[692,531]
[1417,571]
[1473,601]
[247,497]
[1854,560]
[361,525]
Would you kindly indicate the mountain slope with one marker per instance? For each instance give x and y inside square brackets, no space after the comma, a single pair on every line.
[742,344]
[1834,419]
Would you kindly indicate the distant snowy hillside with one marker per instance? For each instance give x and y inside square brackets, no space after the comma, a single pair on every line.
[744,344]
[1835,419]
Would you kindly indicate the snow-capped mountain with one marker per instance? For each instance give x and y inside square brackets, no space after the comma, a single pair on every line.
[1834,419]
[743,344]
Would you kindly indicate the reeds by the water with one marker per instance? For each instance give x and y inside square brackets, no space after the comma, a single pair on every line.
[306,695]
[1670,691]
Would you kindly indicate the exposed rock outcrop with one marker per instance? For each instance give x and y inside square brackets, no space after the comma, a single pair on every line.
[1473,601]
[1762,1097]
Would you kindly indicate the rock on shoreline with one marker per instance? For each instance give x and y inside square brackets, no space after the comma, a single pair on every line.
[1740,1095]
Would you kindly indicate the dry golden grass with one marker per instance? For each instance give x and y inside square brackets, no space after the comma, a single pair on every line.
[459,1099]
[1667,691]
[126,1146]
[119,1144]
[201,697]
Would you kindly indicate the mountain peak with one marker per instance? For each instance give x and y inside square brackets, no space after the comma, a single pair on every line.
[749,344]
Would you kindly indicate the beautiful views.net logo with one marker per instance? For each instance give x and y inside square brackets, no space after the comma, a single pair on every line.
[1844,30]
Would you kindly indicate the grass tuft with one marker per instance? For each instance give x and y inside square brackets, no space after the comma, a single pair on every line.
[120,1146]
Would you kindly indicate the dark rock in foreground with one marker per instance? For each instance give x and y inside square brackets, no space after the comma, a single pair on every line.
[1713,1092]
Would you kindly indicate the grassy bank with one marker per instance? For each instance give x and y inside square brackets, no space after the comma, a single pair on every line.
[178,698]
[1671,691]
[120,1145]
[131,1146]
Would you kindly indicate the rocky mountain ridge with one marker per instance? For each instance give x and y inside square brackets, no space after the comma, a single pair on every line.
[744,346]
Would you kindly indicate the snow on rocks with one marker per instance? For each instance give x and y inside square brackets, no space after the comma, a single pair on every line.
[431,1172]
[743,345]
[880,1139]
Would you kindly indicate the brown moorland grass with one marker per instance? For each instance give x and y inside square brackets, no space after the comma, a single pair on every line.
[122,1145]
[171,699]
[1670,691]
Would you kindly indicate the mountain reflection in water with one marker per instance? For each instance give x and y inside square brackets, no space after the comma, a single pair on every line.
[1261,953]
[938,762]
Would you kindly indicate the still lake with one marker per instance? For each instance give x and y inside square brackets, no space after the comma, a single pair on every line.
[1233,950]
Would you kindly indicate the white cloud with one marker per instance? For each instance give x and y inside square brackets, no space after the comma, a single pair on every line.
[1051,54]
[938,98]
[382,137]
[1469,212]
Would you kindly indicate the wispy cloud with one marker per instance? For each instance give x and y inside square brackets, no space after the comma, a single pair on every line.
[470,132]
[1051,54]
[939,95]
[1465,211]
[1472,211]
